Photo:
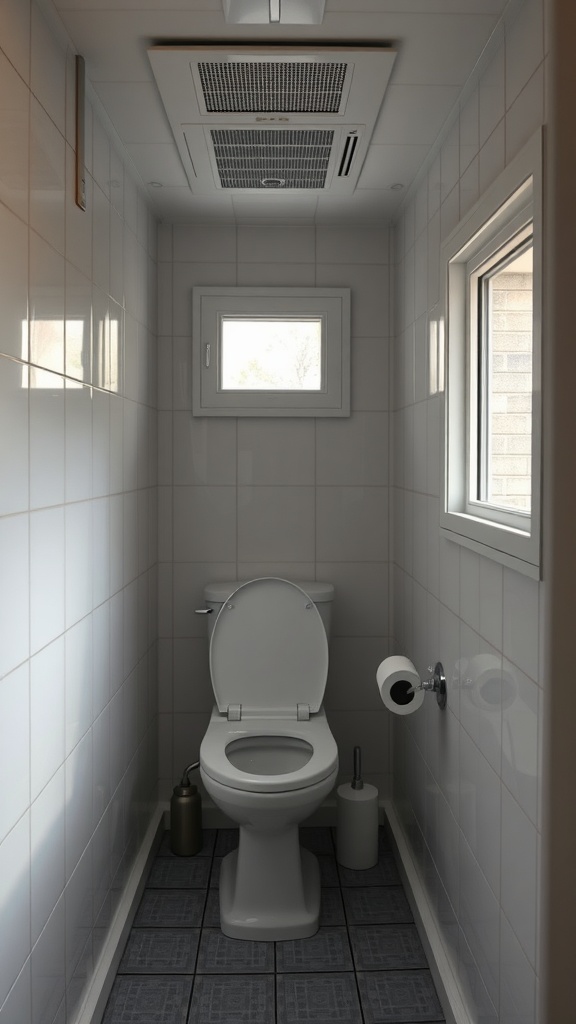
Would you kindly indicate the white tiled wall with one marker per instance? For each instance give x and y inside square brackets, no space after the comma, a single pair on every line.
[301,498]
[467,781]
[77,532]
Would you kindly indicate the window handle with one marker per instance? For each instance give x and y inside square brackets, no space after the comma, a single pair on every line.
[207,356]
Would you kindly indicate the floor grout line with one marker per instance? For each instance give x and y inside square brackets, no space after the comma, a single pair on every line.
[297,982]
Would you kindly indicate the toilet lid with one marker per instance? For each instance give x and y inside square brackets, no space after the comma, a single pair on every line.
[268,648]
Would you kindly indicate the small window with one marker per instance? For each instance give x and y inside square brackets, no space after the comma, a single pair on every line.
[271,352]
[493,273]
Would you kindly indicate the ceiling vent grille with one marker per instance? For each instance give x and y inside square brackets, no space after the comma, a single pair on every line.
[256,117]
[239,87]
[264,158]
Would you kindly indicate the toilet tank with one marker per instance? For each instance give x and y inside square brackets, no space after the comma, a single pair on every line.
[322,594]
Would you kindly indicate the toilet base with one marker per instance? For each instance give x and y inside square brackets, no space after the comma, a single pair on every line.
[269,887]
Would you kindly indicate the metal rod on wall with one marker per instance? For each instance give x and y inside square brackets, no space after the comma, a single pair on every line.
[80,130]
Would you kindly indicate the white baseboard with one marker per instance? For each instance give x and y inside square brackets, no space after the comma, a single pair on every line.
[449,992]
[94,1004]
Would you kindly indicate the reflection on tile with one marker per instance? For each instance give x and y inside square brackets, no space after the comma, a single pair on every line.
[226,841]
[178,908]
[179,874]
[317,840]
[331,908]
[219,954]
[160,951]
[327,950]
[399,996]
[378,947]
[376,905]
[228,999]
[384,872]
[208,842]
[318,999]
[164,1000]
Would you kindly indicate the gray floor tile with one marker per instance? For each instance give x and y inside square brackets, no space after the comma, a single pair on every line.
[148,1001]
[232,1000]
[160,951]
[215,872]
[207,849]
[317,999]
[327,950]
[318,840]
[331,907]
[384,872]
[380,947]
[212,911]
[171,908]
[328,870]
[392,997]
[227,840]
[376,905]
[219,954]
[179,873]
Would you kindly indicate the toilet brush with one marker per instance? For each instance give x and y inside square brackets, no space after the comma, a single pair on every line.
[357,821]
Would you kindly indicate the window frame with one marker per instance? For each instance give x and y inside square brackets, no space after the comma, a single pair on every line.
[211,305]
[512,205]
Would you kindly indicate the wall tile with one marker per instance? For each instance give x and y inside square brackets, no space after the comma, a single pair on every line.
[203,518]
[204,450]
[524,48]
[519,873]
[275,522]
[352,451]
[48,967]
[15,747]
[370,296]
[261,244]
[14,429]
[13,282]
[47,69]
[47,178]
[15,902]
[47,837]
[520,613]
[350,524]
[277,451]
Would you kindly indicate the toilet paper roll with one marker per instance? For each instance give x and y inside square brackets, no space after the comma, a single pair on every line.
[394,677]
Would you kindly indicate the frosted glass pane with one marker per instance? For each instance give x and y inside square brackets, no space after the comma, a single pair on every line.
[271,355]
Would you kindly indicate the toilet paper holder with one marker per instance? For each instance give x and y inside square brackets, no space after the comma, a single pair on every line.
[436,683]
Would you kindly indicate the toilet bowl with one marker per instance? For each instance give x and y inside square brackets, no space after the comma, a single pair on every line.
[268,758]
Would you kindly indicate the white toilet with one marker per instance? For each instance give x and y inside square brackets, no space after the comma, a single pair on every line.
[268,758]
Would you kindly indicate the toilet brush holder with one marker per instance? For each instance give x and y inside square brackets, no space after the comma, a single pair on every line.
[186,816]
[357,821]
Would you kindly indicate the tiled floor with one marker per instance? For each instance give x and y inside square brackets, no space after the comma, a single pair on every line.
[365,965]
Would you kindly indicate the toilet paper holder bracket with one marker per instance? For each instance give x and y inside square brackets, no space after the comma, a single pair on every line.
[436,683]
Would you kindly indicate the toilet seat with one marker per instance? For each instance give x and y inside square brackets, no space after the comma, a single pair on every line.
[221,733]
[268,649]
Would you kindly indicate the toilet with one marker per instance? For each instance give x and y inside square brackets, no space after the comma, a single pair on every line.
[268,758]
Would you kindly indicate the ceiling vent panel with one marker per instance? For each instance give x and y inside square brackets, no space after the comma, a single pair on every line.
[261,158]
[285,87]
[258,118]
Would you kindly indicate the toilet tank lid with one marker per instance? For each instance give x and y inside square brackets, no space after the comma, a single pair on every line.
[318,591]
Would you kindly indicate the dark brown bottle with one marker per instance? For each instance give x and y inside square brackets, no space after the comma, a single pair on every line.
[186,817]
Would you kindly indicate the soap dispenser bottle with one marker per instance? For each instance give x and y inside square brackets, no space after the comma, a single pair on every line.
[186,816]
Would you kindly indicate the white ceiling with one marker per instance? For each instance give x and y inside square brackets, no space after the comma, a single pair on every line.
[438,44]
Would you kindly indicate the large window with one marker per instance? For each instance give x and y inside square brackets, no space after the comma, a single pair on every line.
[493,276]
[271,352]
